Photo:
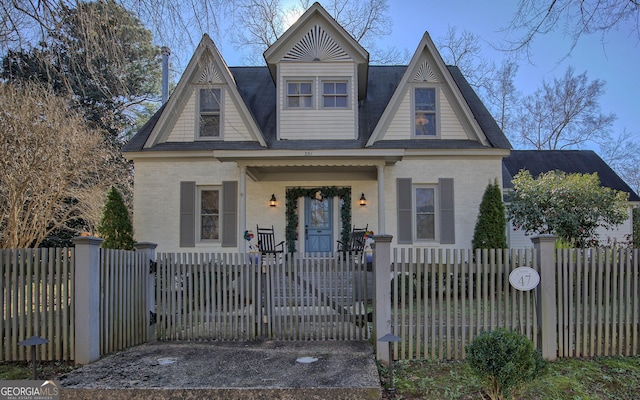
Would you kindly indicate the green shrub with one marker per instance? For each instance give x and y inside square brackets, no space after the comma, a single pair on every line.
[491,226]
[504,361]
[115,225]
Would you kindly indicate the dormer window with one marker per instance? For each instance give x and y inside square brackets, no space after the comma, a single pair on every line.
[425,104]
[334,94]
[209,119]
[299,94]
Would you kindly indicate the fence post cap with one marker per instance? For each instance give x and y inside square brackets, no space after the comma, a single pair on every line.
[87,240]
[145,245]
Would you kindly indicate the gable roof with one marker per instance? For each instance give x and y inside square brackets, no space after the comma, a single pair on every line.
[569,161]
[427,65]
[317,36]
[206,66]
[257,91]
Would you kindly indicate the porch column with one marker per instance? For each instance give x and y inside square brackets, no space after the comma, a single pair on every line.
[381,227]
[242,218]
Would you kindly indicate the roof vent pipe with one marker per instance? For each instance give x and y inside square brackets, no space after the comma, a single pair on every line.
[165,73]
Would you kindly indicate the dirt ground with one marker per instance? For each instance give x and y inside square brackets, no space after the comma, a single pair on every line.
[265,364]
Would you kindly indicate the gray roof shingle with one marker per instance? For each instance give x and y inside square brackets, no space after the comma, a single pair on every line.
[569,161]
[258,91]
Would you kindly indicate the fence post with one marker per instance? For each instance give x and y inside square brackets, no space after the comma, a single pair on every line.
[150,250]
[547,311]
[87,299]
[382,293]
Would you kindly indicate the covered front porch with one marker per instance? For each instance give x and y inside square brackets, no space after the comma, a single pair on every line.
[312,201]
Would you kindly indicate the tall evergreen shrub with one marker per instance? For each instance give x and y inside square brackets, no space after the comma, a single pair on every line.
[115,226]
[490,231]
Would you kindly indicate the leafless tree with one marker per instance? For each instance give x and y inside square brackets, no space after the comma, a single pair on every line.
[495,85]
[623,155]
[575,18]
[564,114]
[502,96]
[464,50]
[262,22]
[52,167]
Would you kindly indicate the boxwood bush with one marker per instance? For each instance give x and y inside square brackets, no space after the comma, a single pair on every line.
[504,361]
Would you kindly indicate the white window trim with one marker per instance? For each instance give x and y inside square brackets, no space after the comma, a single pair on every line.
[285,91]
[436,213]
[197,113]
[199,190]
[334,79]
[438,112]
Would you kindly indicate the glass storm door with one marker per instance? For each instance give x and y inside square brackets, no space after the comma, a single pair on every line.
[318,216]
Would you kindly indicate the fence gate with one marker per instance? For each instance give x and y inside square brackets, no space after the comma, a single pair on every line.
[245,297]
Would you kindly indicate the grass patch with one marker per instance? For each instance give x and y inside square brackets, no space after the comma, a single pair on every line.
[19,370]
[568,379]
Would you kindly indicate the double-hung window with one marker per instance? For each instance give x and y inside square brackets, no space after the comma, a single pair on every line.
[334,94]
[425,213]
[209,210]
[209,117]
[299,94]
[425,103]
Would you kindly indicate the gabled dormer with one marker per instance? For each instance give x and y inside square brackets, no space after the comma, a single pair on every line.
[320,73]
[428,104]
[206,105]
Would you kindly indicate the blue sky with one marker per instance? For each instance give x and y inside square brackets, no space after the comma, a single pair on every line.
[616,60]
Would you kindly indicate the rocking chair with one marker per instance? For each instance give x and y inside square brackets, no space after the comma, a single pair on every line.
[267,242]
[356,241]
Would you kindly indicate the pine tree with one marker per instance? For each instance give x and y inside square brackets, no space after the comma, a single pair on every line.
[115,225]
[490,230]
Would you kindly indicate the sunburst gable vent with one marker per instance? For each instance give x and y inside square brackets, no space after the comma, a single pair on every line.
[424,73]
[316,45]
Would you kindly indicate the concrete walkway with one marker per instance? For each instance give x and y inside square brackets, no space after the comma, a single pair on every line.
[230,370]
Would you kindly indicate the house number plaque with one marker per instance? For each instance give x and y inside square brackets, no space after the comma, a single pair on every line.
[524,278]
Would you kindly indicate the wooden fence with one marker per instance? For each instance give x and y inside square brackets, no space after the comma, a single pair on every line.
[123,299]
[598,302]
[36,291]
[441,299]
[588,302]
[235,297]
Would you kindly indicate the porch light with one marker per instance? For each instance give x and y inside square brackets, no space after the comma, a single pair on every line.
[363,200]
[272,202]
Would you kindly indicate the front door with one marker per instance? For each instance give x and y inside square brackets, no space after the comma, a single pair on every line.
[318,216]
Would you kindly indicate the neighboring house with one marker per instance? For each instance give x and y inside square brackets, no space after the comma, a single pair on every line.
[569,161]
[317,122]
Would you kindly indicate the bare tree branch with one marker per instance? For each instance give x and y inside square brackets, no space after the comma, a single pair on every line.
[575,18]
[564,114]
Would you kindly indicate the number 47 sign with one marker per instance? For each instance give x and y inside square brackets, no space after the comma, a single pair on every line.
[524,278]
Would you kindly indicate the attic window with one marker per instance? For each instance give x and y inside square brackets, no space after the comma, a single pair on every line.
[299,94]
[334,94]
[425,112]
[209,113]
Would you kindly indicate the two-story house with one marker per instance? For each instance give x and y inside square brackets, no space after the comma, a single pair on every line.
[313,143]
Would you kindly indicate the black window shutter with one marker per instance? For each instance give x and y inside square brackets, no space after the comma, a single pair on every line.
[447,215]
[187,214]
[405,211]
[230,214]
